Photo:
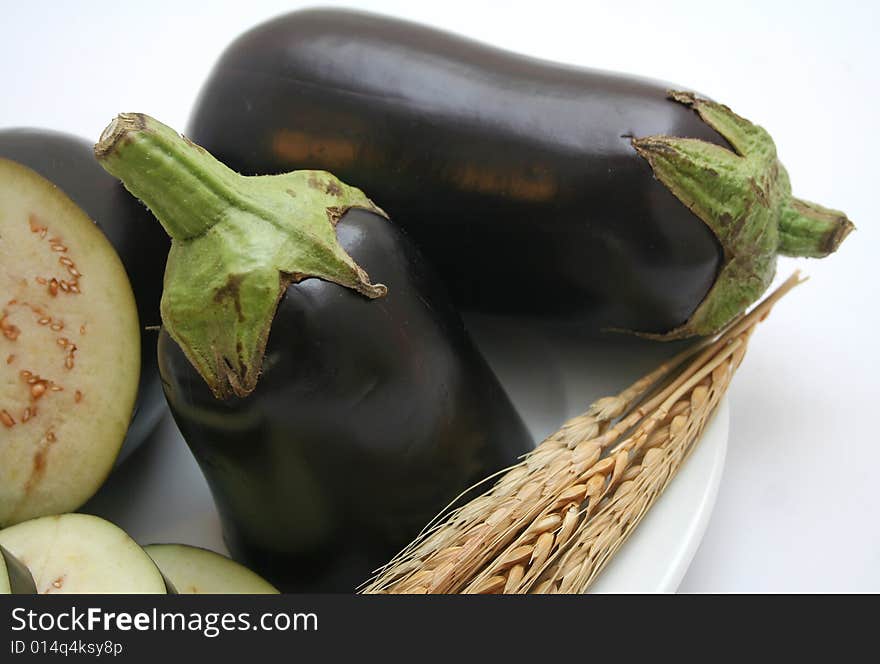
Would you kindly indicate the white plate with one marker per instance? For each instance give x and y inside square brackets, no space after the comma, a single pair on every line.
[159,494]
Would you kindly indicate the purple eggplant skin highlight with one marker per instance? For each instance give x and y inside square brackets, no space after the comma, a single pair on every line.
[368,418]
[515,177]
[68,162]
[519,179]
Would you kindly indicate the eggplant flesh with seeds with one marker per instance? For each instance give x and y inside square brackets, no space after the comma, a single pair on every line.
[81,554]
[536,189]
[68,162]
[69,350]
[333,417]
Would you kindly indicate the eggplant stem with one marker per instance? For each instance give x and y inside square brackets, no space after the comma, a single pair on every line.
[810,230]
[237,243]
[744,197]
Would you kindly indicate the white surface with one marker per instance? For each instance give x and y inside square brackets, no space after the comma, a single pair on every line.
[658,553]
[798,503]
[159,494]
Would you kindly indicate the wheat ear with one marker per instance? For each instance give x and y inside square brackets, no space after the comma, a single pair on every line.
[552,522]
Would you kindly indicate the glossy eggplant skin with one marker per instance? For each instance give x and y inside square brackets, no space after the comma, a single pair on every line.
[515,177]
[140,242]
[369,417]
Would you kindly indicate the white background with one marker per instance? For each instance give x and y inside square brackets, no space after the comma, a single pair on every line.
[798,508]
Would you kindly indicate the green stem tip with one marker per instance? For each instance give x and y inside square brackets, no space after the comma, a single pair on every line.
[744,197]
[808,229]
[237,243]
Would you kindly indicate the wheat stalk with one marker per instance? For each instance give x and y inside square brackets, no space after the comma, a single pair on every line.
[552,522]
[576,565]
[477,530]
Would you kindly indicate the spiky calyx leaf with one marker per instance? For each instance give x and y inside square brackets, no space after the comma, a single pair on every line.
[744,197]
[237,243]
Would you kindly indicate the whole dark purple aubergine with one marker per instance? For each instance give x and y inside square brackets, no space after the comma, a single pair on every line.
[333,417]
[69,163]
[534,188]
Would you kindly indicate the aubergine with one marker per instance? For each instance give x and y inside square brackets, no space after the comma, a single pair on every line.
[536,189]
[69,163]
[69,350]
[81,554]
[191,570]
[332,416]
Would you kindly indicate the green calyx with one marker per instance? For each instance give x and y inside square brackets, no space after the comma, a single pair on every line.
[237,243]
[744,197]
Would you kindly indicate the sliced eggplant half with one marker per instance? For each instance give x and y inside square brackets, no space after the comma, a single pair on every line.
[192,570]
[69,350]
[15,578]
[82,554]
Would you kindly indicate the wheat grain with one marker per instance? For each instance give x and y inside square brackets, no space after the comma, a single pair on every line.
[576,565]
[478,530]
[612,475]
[552,522]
